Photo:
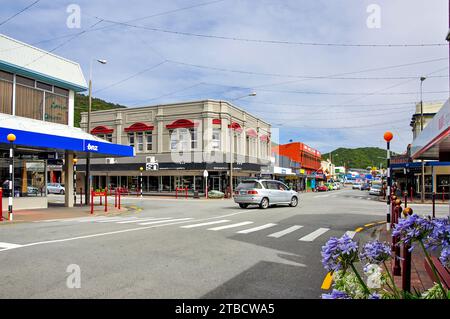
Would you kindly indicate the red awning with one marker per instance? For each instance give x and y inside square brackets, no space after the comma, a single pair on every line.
[101,130]
[235,126]
[264,138]
[139,127]
[252,133]
[183,123]
[217,121]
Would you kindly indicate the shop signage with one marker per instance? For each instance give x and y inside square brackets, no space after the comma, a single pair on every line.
[48,155]
[151,166]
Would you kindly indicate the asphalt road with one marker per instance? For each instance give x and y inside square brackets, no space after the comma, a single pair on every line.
[171,248]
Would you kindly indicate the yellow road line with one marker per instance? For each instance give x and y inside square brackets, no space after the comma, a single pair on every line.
[359,229]
[367,225]
[327,281]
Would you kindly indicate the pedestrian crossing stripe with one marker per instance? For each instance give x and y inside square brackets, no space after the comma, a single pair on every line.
[251,230]
[314,234]
[164,221]
[231,226]
[205,224]
[285,232]
[143,220]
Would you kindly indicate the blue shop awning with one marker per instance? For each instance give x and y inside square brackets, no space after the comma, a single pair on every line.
[45,135]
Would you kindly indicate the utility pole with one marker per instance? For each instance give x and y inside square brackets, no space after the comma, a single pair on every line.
[422,192]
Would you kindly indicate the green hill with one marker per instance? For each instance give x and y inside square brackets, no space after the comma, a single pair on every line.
[82,103]
[358,157]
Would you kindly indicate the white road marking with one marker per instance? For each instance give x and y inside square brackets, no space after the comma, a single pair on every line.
[285,232]
[9,245]
[251,230]
[314,234]
[205,224]
[142,220]
[230,226]
[164,221]
[350,233]
[115,219]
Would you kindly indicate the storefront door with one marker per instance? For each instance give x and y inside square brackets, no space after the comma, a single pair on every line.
[215,183]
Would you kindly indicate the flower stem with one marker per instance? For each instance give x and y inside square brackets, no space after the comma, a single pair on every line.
[394,287]
[433,269]
[366,290]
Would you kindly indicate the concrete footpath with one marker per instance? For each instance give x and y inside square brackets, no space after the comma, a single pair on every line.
[61,212]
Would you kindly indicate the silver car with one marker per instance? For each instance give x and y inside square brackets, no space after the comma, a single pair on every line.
[264,193]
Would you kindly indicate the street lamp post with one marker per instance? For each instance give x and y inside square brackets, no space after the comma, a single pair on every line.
[11,138]
[422,192]
[141,169]
[87,182]
[388,137]
[75,160]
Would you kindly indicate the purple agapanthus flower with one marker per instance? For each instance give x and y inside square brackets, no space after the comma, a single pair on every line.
[374,296]
[413,228]
[376,252]
[440,234]
[338,253]
[445,256]
[336,294]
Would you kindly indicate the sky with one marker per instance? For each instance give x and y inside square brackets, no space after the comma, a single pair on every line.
[310,62]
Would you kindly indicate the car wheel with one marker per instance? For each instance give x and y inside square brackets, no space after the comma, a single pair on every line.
[243,205]
[294,201]
[264,203]
[61,192]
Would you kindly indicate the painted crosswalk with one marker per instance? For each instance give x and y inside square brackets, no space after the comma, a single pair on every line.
[314,234]
[285,231]
[206,224]
[164,221]
[251,230]
[231,226]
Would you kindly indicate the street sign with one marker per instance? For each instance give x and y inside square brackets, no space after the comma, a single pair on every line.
[151,166]
[205,173]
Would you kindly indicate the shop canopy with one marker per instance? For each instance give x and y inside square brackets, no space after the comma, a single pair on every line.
[435,137]
[37,134]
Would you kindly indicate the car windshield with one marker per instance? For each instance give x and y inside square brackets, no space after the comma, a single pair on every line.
[376,186]
[248,185]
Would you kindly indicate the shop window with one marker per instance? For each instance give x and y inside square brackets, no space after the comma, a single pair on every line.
[149,138]
[140,141]
[131,139]
[106,137]
[56,108]
[29,102]
[29,178]
[6,93]
[216,134]
[44,86]
[183,139]
[25,81]
[193,138]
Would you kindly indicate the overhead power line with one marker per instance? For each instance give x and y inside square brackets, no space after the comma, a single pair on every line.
[19,12]
[284,42]
[330,77]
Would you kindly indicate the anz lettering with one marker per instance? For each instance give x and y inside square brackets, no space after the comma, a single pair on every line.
[91,147]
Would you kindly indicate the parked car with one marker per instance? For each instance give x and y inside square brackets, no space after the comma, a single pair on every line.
[322,188]
[55,188]
[336,186]
[330,186]
[356,186]
[365,187]
[264,193]
[31,190]
[375,190]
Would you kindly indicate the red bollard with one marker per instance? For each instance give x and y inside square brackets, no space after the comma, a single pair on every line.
[106,200]
[1,204]
[186,195]
[81,196]
[406,263]
[119,197]
[434,204]
[115,198]
[411,192]
[176,192]
[396,248]
[92,201]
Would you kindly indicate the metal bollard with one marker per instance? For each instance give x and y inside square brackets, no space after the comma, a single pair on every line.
[406,198]
[1,204]
[406,262]
[106,200]
[434,204]
[395,247]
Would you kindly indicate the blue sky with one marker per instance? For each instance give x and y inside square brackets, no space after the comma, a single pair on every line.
[324,113]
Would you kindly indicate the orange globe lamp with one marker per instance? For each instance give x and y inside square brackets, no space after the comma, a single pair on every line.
[388,136]
[11,137]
